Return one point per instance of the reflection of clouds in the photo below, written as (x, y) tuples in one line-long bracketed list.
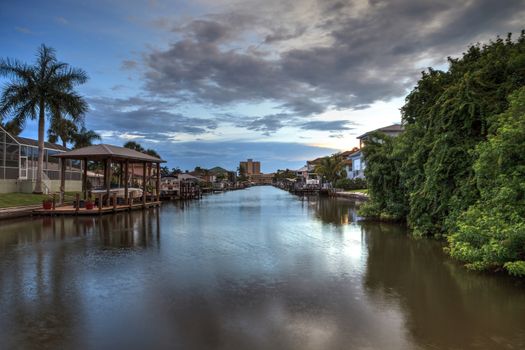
[(276, 276)]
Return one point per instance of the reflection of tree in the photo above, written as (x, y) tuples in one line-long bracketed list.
[(334, 211), (445, 306)]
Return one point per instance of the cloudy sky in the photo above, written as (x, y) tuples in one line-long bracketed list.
[(212, 82)]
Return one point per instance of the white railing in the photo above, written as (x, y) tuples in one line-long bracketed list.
[(46, 183)]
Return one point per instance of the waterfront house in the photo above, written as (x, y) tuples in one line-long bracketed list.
[(18, 166), (357, 162), (175, 185), (393, 130)]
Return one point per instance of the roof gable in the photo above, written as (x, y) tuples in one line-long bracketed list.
[(394, 128), (104, 151)]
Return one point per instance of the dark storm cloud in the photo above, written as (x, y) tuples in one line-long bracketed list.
[(333, 125), (267, 124), (150, 118), (367, 53)]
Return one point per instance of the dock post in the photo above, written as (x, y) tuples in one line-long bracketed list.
[(114, 201), (158, 182), (144, 188), (54, 201), (77, 202), (100, 203)]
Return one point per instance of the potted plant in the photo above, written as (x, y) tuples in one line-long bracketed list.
[(89, 204), (47, 204)]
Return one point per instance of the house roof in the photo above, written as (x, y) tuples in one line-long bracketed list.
[(103, 151), (185, 176), (34, 143), (386, 129)]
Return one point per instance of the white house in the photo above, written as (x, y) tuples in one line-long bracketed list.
[(358, 164)]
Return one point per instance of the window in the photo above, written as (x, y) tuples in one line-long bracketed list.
[(356, 164), (52, 162), (12, 155)]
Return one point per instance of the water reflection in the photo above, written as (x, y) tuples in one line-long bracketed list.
[(122, 230), (252, 269)]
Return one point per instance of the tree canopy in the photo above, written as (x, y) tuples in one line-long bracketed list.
[(331, 168), (41, 91), (430, 175)]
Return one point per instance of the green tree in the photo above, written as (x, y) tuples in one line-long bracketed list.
[(13, 127), (134, 145), (331, 168), (242, 173), (62, 129), (84, 138), (431, 179), (383, 177), (491, 233), (152, 152), (39, 90)]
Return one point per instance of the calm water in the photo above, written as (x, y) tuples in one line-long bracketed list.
[(252, 269)]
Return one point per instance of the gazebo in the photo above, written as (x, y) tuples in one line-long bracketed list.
[(110, 156)]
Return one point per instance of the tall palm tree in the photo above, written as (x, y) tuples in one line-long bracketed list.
[(84, 138), (331, 168), (40, 89)]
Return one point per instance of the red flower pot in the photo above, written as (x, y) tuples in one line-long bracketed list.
[(47, 205), (89, 205)]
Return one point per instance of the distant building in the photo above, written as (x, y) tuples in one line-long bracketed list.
[(261, 179), (250, 167)]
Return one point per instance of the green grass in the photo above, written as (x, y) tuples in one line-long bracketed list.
[(22, 199)]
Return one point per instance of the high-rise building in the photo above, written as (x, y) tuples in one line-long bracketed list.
[(250, 167)]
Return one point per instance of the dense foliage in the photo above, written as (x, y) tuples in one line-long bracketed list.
[(331, 168), (491, 233), (351, 184), (431, 175)]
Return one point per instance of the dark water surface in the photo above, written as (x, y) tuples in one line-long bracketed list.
[(252, 269)]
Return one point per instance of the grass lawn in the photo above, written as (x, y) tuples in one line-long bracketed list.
[(364, 190), (22, 199)]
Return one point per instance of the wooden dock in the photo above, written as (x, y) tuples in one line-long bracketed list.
[(72, 210)]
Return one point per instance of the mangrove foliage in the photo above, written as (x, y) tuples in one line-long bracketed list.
[(458, 169)]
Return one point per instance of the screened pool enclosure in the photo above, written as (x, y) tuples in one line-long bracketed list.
[(18, 165)]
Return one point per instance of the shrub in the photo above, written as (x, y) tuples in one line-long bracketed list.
[(351, 184)]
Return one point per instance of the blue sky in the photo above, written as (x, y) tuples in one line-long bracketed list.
[(211, 83)]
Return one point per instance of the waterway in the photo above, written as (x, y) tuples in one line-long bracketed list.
[(251, 269)]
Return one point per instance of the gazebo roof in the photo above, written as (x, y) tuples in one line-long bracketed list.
[(103, 151)]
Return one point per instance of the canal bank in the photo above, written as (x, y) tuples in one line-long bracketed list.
[(253, 269)]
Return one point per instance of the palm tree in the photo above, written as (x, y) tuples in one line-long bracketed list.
[(43, 88), (331, 168), (63, 129), (152, 152), (13, 127), (84, 138), (134, 145)]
